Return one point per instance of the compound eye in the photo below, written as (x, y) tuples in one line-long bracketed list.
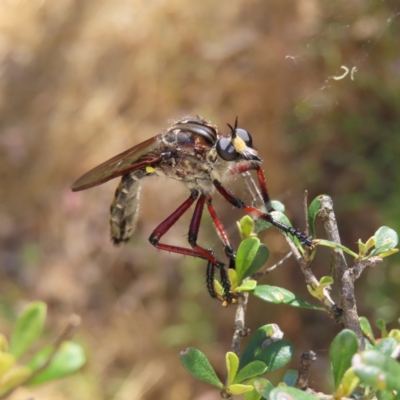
[(226, 150), (245, 136)]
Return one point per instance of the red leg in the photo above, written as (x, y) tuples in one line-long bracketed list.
[(260, 214), (244, 167), (229, 250), (196, 250), (164, 227)]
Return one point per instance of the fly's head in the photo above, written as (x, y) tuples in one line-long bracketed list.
[(237, 147)]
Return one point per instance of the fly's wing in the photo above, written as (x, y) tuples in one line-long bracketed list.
[(137, 157)]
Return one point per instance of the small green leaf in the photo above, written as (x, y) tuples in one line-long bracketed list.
[(385, 239), (69, 358), (257, 343), (198, 365), (246, 226), (251, 256), (253, 395), (277, 295), (386, 346), (328, 243), (7, 361), (381, 324), (14, 378), (395, 334), (237, 389), (28, 328), (377, 370), (384, 395), (388, 253), (341, 351), (275, 355), (247, 286), (366, 329), (232, 275), (263, 386), (262, 225), (290, 377), (218, 287), (362, 248), (289, 393), (370, 243), (347, 385), (232, 364), (245, 255), (3, 343), (312, 214), (278, 206), (251, 370)]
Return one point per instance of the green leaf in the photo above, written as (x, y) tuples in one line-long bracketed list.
[(232, 364), (377, 370), (386, 346), (28, 328), (312, 214), (275, 355), (3, 343), (251, 256), (263, 386), (328, 243), (388, 253), (278, 206), (277, 295), (290, 377), (7, 361), (362, 248), (384, 395), (283, 392), (14, 378), (251, 370), (247, 286), (69, 358), (381, 324), (347, 385), (385, 240), (237, 389), (366, 329), (262, 225), (253, 395), (246, 226), (198, 365), (395, 334), (341, 351)]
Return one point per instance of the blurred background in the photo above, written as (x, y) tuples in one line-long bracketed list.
[(81, 81)]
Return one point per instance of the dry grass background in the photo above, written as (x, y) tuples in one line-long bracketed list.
[(82, 80)]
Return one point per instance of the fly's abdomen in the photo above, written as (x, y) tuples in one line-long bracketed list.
[(124, 208)]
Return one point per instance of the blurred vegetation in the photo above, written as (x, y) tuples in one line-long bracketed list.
[(82, 80)]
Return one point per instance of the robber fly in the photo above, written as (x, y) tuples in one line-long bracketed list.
[(195, 152)]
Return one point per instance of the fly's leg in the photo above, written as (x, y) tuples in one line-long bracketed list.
[(195, 251), (239, 169), (193, 233), (164, 227), (226, 286), (259, 214), (229, 250)]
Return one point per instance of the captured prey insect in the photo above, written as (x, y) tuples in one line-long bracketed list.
[(195, 152)]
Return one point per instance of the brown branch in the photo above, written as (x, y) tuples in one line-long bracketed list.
[(306, 360), (240, 328), (344, 276), (305, 265)]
